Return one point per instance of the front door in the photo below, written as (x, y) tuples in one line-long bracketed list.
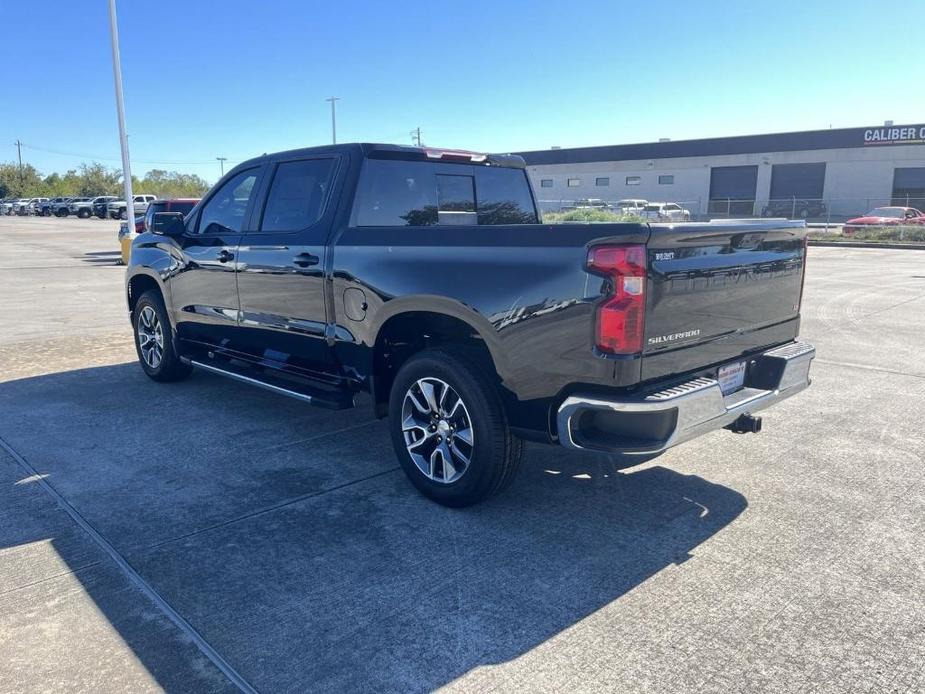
[(203, 291), (281, 270)]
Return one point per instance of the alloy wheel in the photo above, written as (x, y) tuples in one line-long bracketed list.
[(150, 337), (437, 430)]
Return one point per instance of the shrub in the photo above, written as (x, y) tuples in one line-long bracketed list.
[(901, 234), (590, 214)]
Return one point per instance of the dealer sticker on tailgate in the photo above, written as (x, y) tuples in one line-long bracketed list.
[(731, 377)]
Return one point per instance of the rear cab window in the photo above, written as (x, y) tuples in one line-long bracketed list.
[(410, 193)]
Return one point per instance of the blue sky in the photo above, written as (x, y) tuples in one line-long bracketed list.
[(237, 78)]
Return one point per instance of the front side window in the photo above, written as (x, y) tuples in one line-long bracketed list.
[(297, 194), (224, 212)]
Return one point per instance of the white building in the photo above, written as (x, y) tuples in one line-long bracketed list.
[(849, 170)]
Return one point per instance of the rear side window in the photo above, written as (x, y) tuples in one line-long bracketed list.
[(504, 196), (401, 193), (396, 193), (297, 194)]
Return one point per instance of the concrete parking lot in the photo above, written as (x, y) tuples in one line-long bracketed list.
[(206, 536)]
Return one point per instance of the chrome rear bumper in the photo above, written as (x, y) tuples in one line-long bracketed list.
[(655, 422)]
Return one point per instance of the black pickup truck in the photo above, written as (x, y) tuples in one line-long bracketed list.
[(425, 278)]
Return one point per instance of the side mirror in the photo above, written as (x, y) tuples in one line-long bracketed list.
[(168, 224)]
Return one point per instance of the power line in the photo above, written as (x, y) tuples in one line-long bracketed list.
[(416, 136), (98, 157)]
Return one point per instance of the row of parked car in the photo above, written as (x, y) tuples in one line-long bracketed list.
[(654, 211), (101, 206)]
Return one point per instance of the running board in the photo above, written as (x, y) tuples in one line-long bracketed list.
[(305, 393)]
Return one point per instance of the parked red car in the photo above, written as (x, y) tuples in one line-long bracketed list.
[(884, 217), (143, 223)]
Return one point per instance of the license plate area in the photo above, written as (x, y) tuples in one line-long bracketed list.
[(731, 377)]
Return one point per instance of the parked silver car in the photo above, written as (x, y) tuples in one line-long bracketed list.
[(116, 209), (6, 207), (666, 212), (28, 206), (630, 206)]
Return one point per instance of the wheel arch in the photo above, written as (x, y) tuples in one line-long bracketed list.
[(140, 282), (411, 326)]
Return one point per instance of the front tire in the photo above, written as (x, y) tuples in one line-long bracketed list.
[(449, 428), (83, 214), (154, 340)]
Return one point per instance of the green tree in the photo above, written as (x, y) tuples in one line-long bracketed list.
[(97, 179), (171, 184), (20, 184)]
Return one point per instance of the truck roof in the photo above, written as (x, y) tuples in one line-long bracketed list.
[(385, 151)]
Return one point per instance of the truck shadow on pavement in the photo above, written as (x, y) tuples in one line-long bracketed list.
[(287, 537)]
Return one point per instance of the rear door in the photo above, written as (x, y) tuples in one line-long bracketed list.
[(203, 290), (281, 268), (717, 291)]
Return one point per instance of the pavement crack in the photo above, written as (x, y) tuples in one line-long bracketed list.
[(132, 574), (866, 367), (53, 577), (890, 308), (267, 509)]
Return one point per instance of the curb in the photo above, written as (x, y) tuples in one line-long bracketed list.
[(869, 244)]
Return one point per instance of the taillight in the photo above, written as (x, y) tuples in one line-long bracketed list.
[(621, 315)]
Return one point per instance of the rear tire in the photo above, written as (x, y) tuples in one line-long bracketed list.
[(443, 404), (154, 340)]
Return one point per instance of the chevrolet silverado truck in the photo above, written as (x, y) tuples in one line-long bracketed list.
[(117, 208), (426, 278)]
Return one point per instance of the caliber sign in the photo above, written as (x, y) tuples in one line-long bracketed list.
[(906, 135)]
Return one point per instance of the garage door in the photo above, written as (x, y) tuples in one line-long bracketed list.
[(909, 187), (800, 181), (732, 190)]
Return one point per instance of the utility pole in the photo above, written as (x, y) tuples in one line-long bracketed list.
[(19, 153), (333, 99), (416, 137), (120, 111), (221, 161)]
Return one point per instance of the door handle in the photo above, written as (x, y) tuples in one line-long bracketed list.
[(306, 259), (225, 256)]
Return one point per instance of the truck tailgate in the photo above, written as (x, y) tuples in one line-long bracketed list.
[(720, 290)]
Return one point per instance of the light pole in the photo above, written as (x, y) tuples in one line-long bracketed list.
[(333, 99), (120, 111), (221, 161)]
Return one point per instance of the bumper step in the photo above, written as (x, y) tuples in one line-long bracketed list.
[(652, 423)]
